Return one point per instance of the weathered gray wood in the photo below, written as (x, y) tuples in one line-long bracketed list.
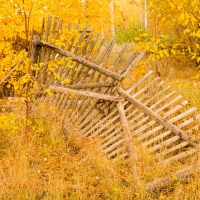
[(113, 146), (128, 62), (152, 131), (85, 93), (159, 119), (71, 73), (105, 107), (82, 61), (131, 106), (118, 151), (34, 49), (168, 180), (174, 148), (106, 136), (109, 120), (146, 87), (111, 141), (92, 85), (64, 73), (139, 57), (85, 104), (128, 109), (164, 145), (127, 132), (60, 107), (84, 74), (122, 52), (165, 134), (152, 122), (140, 81), (179, 156)]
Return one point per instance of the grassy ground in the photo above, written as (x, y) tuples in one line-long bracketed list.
[(52, 163)]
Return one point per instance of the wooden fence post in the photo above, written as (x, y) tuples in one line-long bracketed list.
[(35, 51)]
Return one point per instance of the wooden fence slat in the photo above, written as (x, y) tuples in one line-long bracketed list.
[(129, 117), (179, 156), (85, 93), (139, 57), (152, 122), (174, 148), (85, 103), (146, 86), (80, 79), (127, 109), (92, 85), (122, 52), (166, 143), (117, 152), (111, 141), (115, 110), (62, 102), (48, 28), (175, 109), (152, 131), (113, 146), (165, 134), (102, 127), (159, 119), (140, 81), (107, 136), (128, 62)]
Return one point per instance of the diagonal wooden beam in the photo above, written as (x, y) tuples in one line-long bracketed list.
[(86, 93), (170, 126), (82, 61)]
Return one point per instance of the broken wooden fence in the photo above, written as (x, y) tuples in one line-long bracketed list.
[(148, 112)]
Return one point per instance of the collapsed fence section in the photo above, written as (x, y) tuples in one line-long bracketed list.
[(85, 85)]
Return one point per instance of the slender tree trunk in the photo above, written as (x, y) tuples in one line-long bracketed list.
[(112, 17)]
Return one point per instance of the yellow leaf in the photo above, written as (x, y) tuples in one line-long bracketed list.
[(197, 46)]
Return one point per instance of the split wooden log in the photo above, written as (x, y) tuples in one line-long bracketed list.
[(160, 120), (168, 180), (83, 61), (85, 93)]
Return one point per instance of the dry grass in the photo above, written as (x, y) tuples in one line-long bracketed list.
[(55, 164)]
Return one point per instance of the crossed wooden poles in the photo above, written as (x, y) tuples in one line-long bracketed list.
[(148, 111)]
